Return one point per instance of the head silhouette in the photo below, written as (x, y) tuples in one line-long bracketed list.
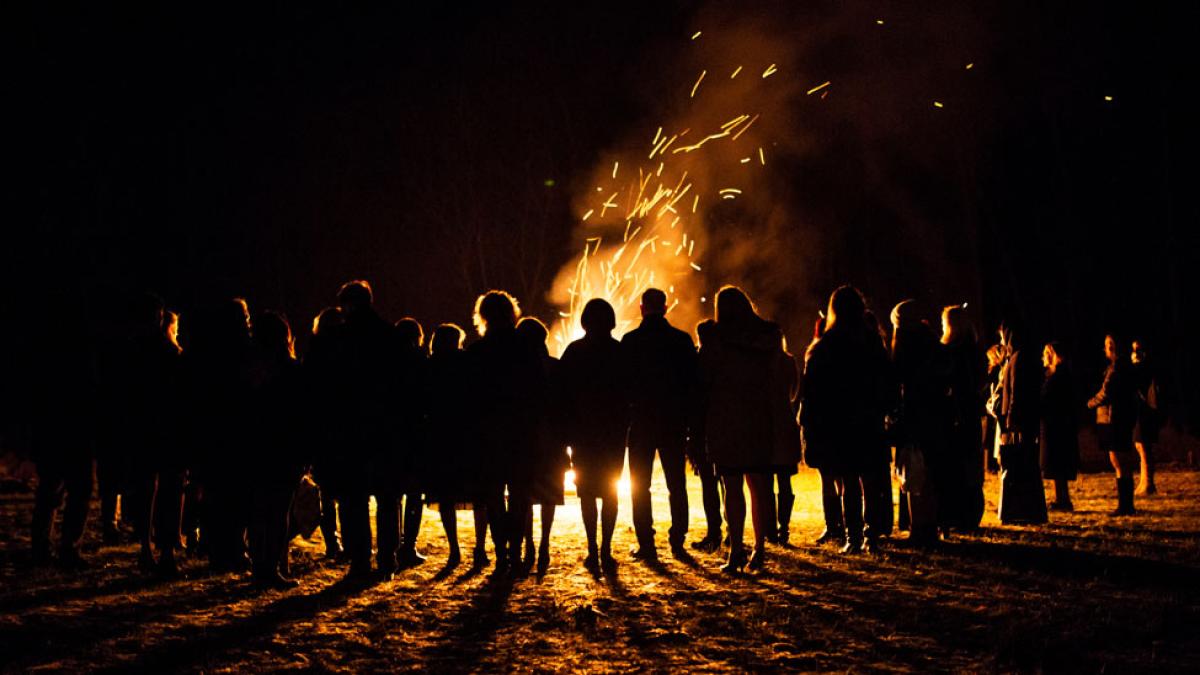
[(532, 327), (496, 310), (354, 296), (734, 309), (327, 320), (654, 302), (273, 335), (846, 305), (598, 317), (447, 337), (955, 326), (705, 330), (410, 332)]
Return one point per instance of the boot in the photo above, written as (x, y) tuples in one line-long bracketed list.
[(784, 513), (1124, 497)]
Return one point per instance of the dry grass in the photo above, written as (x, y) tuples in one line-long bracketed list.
[(1084, 593)]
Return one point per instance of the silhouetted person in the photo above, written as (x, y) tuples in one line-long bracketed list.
[(595, 397), (1016, 406), (219, 380), (661, 362), (918, 432), (452, 466), (961, 486), (878, 503), (322, 406), (366, 384), (748, 417), (817, 458), (62, 399), (846, 391), (710, 482), (138, 380), (996, 355), (1150, 417), (788, 452), (550, 462), (413, 467), (275, 462), (1060, 429), (507, 378), (1116, 406)]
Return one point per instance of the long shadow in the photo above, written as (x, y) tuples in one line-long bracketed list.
[(52, 595), (469, 634), (199, 642), (1077, 564), (42, 636)]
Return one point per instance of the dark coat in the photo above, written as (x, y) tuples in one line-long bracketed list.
[(365, 379), (661, 362), (507, 380), (1060, 429), (595, 393), (846, 391), (1116, 405), (452, 459), (276, 454), (139, 387), (744, 374), (1019, 398)]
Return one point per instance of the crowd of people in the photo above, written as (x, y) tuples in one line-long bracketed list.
[(205, 446)]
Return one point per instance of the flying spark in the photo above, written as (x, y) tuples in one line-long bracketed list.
[(819, 87)]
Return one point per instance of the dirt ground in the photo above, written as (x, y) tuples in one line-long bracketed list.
[(1086, 592)]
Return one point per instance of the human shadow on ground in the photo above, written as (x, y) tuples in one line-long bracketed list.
[(198, 642), (40, 636), (469, 634)]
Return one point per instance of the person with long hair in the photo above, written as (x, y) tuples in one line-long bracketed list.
[(549, 464), (595, 418), (1016, 407), (846, 393), (274, 465), (917, 433), (1059, 438), (749, 425), (961, 486), (507, 380), (1116, 407)]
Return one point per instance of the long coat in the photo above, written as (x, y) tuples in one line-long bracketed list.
[(507, 380), (846, 392), (749, 425)]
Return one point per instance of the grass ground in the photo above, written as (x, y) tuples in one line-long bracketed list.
[(1086, 592)]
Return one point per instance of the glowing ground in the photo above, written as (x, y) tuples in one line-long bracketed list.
[(1084, 593)]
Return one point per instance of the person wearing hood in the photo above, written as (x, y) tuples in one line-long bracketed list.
[(749, 426)]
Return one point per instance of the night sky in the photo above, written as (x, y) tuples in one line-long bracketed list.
[(275, 154)]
